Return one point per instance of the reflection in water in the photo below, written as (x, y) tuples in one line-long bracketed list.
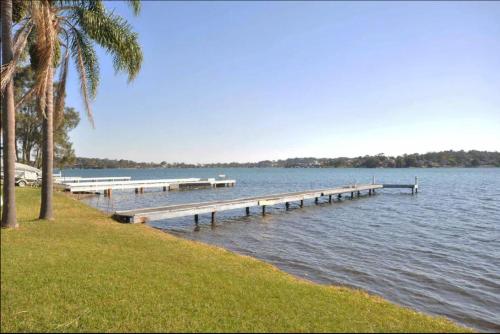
[(437, 251)]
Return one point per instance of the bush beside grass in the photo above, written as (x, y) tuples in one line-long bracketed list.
[(85, 272)]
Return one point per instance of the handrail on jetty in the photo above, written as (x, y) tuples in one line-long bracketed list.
[(79, 179), (97, 186), (195, 209)]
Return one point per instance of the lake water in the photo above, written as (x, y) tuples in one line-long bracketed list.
[(436, 252)]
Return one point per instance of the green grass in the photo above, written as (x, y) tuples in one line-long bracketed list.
[(84, 272)]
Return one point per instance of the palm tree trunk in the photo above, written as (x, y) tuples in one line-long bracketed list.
[(48, 152), (8, 125)]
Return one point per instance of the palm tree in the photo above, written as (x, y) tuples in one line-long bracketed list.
[(73, 26), (8, 123), (69, 29)]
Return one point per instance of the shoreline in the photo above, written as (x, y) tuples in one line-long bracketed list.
[(236, 268), (246, 167)]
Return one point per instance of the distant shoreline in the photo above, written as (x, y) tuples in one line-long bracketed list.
[(208, 167), (447, 159)]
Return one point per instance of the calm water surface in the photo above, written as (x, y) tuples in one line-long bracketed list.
[(437, 252)]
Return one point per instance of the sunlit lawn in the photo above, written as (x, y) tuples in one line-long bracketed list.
[(84, 272)]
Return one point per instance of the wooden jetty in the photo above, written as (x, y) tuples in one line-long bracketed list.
[(195, 209), (139, 185)]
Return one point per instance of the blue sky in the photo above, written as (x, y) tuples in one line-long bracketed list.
[(248, 81)]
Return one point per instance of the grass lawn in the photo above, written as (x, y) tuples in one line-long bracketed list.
[(85, 272)]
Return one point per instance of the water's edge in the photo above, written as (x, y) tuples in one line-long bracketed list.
[(434, 252)]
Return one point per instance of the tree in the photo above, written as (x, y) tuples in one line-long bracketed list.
[(28, 122), (74, 26), (370, 162), (29, 125), (8, 124)]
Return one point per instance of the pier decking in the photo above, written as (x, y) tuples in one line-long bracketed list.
[(139, 185), (194, 209)]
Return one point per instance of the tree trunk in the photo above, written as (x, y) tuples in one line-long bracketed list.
[(48, 152), (37, 158), (27, 154), (16, 146), (8, 124)]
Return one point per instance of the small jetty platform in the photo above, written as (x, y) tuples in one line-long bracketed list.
[(98, 186), (195, 209)]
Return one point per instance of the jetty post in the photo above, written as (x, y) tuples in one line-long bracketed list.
[(194, 209)]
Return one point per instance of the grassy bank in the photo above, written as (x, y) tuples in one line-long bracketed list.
[(84, 272)]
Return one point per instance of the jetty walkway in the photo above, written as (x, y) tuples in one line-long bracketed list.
[(195, 209), (107, 185)]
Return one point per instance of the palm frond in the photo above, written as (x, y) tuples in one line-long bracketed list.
[(43, 19), (116, 36), (20, 41), (61, 91), (20, 9), (81, 43), (80, 51), (136, 6)]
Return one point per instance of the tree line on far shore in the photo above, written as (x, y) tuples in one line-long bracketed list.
[(461, 158)]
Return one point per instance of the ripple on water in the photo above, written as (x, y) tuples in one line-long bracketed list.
[(437, 252)]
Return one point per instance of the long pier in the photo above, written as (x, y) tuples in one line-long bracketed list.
[(195, 209), (139, 185)]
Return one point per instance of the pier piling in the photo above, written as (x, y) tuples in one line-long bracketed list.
[(182, 210)]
